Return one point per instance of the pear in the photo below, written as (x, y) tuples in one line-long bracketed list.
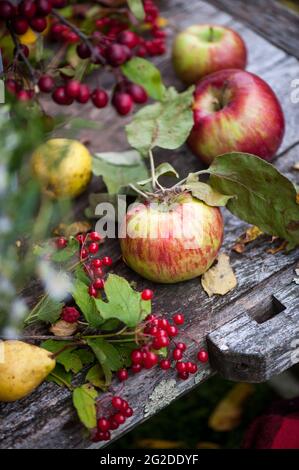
[(22, 368)]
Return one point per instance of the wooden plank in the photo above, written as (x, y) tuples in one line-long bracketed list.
[(46, 419), (274, 21)]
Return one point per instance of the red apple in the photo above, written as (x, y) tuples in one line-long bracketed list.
[(171, 241), (203, 49), (237, 111)]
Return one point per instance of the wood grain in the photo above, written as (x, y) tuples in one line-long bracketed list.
[(46, 419)]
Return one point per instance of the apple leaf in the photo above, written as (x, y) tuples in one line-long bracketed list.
[(165, 169), (264, 197), (86, 304), (136, 7), (166, 125), (204, 192), (84, 400), (123, 302), (119, 169), (144, 73)]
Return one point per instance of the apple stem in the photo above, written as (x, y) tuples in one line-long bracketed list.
[(155, 181), (138, 191), (201, 172), (211, 38)]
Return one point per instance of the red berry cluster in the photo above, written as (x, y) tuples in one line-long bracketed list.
[(120, 412), (112, 42), (70, 314)]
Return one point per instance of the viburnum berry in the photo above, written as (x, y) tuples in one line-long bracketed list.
[(7, 10), (20, 25), (71, 37), (202, 356), (107, 261), (27, 8), (103, 424), (11, 85), (161, 342), (128, 412), (38, 24), (23, 95), (117, 402), (184, 375), (84, 253), (122, 375), (123, 103), (136, 357), (192, 367), (165, 364), (70, 314), (136, 368), (128, 38), (96, 263), (98, 272), (137, 92), (125, 405), (150, 360), (181, 367), (98, 283), (72, 88), (84, 94), (172, 330), (83, 51), (92, 291), (119, 418), (61, 242), (44, 7), (177, 354), (181, 346), (93, 248), (150, 317), (116, 54), (113, 424), (99, 98), (60, 97), (161, 332), (178, 319), (81, 238), (141, 51), (46, 83), (163, 323), (95, 236), (147, 294)]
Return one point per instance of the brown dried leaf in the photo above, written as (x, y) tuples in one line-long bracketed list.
[(72, 229), (63, 328), (251, 234), (228, 413), (281, 247), (219, 279)]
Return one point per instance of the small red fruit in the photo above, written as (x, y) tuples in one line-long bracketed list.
[(119, 418), (147, 294), (165, 364), (122, 375), (128, 38), (84, 94), (136, 357), (96, 263), (92, 291), (117, 402), (83, 51), (150, 360), (107, 261), (61, 242), (84, 253), (103, 424), (181, 346), (38, 24), (99, 98), (136, 368), (95, 236), (72, 88), (93, 248), (98, 283), (123, 103), (128, 412), (181, 367), (177, 354), (184, 375), (46, 83), (202, 356), (137, 92), (178, 319), (70, 314)]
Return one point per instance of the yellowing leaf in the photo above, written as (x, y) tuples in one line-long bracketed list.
[(227, 414), (84, 399), (219, 279), (72, 229), (251, 234)]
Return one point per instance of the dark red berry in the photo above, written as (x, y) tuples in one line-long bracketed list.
[(113, 424), (81, 238), (20, 25), (150, 360), (60, 97), (128, 412), (46, 83), (11, 85), (128, 38), (165, 364), (161, 342), (93, 248), (147, 294), (122, 374), (202, 356), (192, 367), (178, 318), (181, 346), (98, 283), (38, 24), (44, 7), (103, 424), (70, 314), (23, 95), (150, 317), (172, 331), (7, 10), (72, 88), (184, 375), (106, 436), (123, 103), (27, 8), (177, 354), (71, 37), (163, 323), (125, 405), (117, 402), (83, 51), (98, 272), (92, 291), (95, 236), (96, 263), (61, 242), (136, 368), (84, 94), (137, 92), (141, 51), (107, 261), (99, 98), (136, 357), (119, 418), (116, 54), (59, 3)]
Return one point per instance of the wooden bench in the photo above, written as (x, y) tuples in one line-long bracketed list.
[(250, 331)]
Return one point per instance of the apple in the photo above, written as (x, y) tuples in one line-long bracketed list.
[(237, 111), (171, 241), (203, 49)]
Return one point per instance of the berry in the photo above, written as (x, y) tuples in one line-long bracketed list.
[(117, 402), (165, 364), (125, 405), (96, 263), (107, 261), (72, 88), (27, 8), (128, 38), (178, 318), (7, 10), (136, 368), (161, 342), (83, 51), (123, 103), (98, 283), (103, 424), (181, 367), (84, 94), (84, 253), (20, 25), (141, 51), (163, 323), (161, 332), (192, 367), (147, 294), (59, 3), (38, 24), (71, 37), (98, 272), (61, 242), (150, 318), (11, 85), (172, 330), (44, 7), (23, 95), (60, 97), (93, 248), (95, 236), (81, 238), (128, 412), (119, 418), (181, 346), (122, 375), (177, 354), (184, 375), (137, 92), (116, 54), (106, 436), (99, 98), (46, 83), (70, 314), (202, 356), (150, 360), (113, 424), (92, 291), (136, 357)]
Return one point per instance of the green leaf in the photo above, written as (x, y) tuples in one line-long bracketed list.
[(106, 353), (264, 197), (85, 356), (84, 399), (136, 7), (60, 377), (66, 253), (81, 275), (165, 169), (122, 302), (124, 351), (86, 304), (119, 169), (49, 310), (96, 377), (166, 125), (69, 358), (144, 73), (204, 192)]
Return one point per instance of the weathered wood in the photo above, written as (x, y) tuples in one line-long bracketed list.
[(271, 19), (46, 419)]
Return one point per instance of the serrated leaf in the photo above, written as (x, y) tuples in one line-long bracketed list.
[(165, 169), (145, 73), (119, 169), (84, 400), (86, 304), (166, 125), (136, 7), (66, 253), (123, 302), (204, 192), (106, 353), (49, 310), (264, 197)]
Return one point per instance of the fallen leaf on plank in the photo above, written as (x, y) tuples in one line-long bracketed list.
[(281, 247), (219, 279), (251, 234), (63, 328)]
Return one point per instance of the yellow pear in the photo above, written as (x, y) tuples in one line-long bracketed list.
[(22, 368), (63, 167)]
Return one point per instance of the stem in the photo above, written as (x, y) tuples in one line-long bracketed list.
[(138, 191), (20, 53), (45, 337), (201, 172), (211, 37)]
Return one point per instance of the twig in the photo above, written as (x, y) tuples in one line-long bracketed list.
[(201, 172), (144, 195), (20, 53)]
